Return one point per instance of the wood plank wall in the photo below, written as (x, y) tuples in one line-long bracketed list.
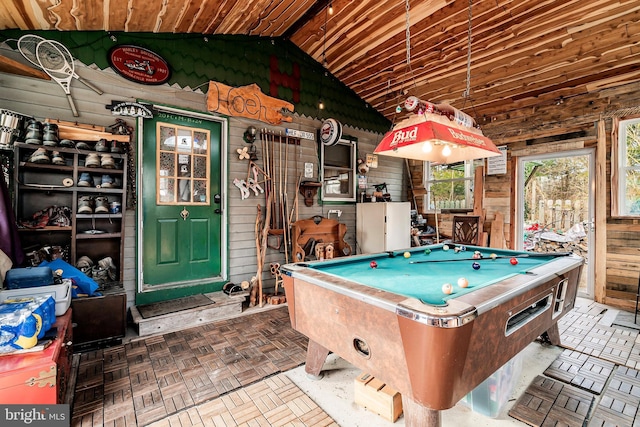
[(553, 126), (45, 99)]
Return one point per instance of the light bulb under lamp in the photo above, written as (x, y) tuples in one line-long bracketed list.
[(446, 151), (427, 147)]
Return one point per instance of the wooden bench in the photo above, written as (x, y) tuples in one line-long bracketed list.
[(306, 234)]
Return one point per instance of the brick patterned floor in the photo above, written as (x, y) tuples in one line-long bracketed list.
[(185, 375)]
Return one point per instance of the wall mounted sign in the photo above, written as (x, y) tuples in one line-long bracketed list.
[(131, 109), (498, 165), (139, 65), (247, 101), (299, 134), (330, 132)]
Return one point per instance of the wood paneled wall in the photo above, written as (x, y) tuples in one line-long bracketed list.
[(45, 99)]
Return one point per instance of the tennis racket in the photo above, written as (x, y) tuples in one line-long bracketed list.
[(27, 46), (56, 65)]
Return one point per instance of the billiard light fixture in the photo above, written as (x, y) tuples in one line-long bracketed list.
[(435, 138), (437, 133)]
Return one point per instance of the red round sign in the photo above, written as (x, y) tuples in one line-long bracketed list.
[(139, 65)]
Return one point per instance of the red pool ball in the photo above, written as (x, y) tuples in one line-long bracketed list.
[(513, 261), (373, 264)]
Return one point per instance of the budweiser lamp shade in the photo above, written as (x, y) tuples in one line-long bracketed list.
[(434, 140)]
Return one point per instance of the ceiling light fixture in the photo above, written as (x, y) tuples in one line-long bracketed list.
[(437, 133), (331, 8)]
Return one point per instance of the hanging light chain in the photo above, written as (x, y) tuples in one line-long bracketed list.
[(408, 35), (467, 92)]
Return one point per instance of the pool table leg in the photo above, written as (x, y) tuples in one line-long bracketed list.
[(416, 415), (554, 334), (316, 356)]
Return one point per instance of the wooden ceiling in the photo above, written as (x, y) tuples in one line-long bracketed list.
[(523, 52)]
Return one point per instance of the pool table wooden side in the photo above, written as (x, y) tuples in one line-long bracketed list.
[(436, 366), (333, 321)]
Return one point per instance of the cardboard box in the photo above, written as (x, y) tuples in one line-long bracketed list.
[(377, 397)]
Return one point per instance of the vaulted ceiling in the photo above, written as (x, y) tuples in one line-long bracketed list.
[(523, 52)]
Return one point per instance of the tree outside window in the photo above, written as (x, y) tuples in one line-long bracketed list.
[(629, 167), (449, 186)]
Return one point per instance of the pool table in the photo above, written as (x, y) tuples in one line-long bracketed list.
[(387, 314)]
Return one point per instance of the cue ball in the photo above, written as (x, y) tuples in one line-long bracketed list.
[(373, 264), (427, 251), (513, 261), (445, 248), (476, 266), (447, 288), (462, 282), (407, 254), (493, 256)]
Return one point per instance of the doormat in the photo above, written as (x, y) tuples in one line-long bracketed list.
[(165, 307)]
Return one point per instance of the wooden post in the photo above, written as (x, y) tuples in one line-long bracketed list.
[(497, 232), (478, 200)]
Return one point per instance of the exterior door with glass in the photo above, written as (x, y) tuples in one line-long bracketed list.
[(182, 234)]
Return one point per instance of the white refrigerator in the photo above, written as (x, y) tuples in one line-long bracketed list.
[(383, 226)]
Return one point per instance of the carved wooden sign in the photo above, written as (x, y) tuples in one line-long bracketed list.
[(247, 101)]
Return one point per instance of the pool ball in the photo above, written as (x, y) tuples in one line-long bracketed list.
[(476, 256), (447, 288), (456, 249), (513, 261), (463, 248), (462, 282), (427, 251), (445, 248), (407, 254), (476, 266), (373, 264), (493, 256)]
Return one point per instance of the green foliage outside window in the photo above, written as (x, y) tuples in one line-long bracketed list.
[(630, 173)]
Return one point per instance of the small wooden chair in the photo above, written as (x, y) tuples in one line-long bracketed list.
[(466, 229)]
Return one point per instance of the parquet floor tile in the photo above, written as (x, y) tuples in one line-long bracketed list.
[(600, 360), (177, 378), (547, 402)]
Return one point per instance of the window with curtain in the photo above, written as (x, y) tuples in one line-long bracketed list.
[(449, 186), (626, 176)]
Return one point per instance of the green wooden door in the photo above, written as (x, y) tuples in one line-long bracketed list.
[(181, 207)]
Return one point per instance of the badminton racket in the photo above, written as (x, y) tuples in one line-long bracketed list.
[(27, 46), (57, 66)]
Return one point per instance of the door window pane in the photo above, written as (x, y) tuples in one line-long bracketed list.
[(183, 165)]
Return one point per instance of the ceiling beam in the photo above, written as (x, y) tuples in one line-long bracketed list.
[(308, 15)]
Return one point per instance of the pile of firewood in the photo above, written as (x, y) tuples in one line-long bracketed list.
[(578, 247)]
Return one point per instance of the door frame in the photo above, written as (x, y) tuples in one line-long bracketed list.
[(224, 230), (590, 226)]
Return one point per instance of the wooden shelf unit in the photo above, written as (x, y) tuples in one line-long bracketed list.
[(39, 186)]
